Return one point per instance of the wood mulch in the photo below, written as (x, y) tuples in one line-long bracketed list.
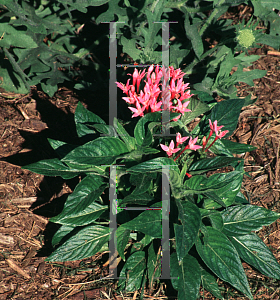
[(28, 200)]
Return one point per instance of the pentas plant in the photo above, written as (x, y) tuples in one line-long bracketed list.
[(211, 224)]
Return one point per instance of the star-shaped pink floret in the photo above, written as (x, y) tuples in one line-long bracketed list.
[(214, 126), (169, 150), (137, 111), (179, 138), (192, 145)]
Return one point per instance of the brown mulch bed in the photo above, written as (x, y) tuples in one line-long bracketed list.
[(26, 199)]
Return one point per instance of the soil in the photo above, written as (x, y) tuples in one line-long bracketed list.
[(28, 200)]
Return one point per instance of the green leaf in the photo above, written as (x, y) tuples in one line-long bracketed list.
[(149, 222), (128, 140), (86, 243), (139, 199), (242, 219), (209, 282), (200, 184), (197, 108), (141, 130), (237, 148), (186, 234), (186, 277), (80, 207), (13, 37), (52, 167), (192, 33), (101, 151), (255, 252), (84, 117), (222, 259), (249, 76), (122, 235), (226, 193), (208, 164), (154, 165), (133, 272), (217, 221), (227, 112), (271, 4), (142, 182), (61, 233), (61, 148)]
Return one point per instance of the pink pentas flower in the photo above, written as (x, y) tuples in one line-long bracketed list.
[(222, 134), (192, 145), (124, 88), (182, 108), (169, 150), (214, 127), (137, 111), (179, 139)]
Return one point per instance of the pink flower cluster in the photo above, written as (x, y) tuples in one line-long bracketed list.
[(179, 140), (219, 134), (153, 98)]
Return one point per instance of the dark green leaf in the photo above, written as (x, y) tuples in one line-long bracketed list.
[(255, 252), (101, 151), (208, 164), (242, 219), (132, 272), (186, 277), (237, 147), (154, 165), (86, 243), (186, 234), (80, 207), (149, 222), (221, 258), (61, 233), (128, 140), (122, 240), (52, 167)]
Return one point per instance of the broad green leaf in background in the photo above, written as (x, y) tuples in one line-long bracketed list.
[(61, 233), (226, 193), (192, 33), (61, 148), (123, 134), (131, 275), (216, 220), (237, 148), (242, 219), (122, 235), (186, 234), (101, 151), (86, 243), (80, 207), (141, 128), (222, 259), (52, 167), (197, 108), (185, 278), (208, 164), (149, 222), (154, 165), (84, 117), (255, 252)]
